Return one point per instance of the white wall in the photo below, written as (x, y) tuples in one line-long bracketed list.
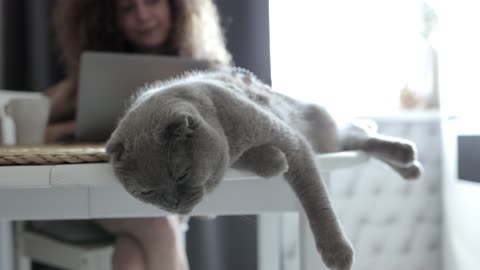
[(461, 207), (458, 44)]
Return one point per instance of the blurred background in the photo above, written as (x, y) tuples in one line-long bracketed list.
[(411, 65), (30, 62)]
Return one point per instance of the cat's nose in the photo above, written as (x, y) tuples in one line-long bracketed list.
[(171, 199)]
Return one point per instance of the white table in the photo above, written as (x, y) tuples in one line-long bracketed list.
[(92, 191)]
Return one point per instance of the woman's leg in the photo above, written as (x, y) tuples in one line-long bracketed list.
[(127, 255), (159, 240)]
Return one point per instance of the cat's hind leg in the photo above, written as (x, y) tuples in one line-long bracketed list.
[(265, 161), (413, 171), (395, 150), (399, 154)]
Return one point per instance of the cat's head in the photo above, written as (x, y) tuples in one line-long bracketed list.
[(167, 154)]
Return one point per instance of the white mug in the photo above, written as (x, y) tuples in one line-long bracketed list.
[(23, 117)]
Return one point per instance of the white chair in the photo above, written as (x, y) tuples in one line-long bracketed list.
[(56, 188), (37, 247), (23, 118)]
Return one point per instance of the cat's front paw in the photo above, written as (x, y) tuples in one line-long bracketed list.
[(338, 256), (276, 165), (266, 161)]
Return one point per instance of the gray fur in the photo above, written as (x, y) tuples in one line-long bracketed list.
[(178, 138)]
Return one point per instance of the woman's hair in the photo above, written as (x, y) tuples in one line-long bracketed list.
[(92, 25)]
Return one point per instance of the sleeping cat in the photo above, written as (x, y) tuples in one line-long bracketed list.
[(178, 138)]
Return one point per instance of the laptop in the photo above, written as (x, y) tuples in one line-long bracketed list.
[(108, 80)]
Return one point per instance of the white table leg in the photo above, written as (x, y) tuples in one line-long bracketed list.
[(6, 245), (21, 261), (290, 256), (309, 257), (268, 246)]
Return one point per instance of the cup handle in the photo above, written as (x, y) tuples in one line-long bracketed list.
[(7, 126)]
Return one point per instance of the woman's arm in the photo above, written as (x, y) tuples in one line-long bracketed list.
[(63, 96), (62, 110), (60, 132)]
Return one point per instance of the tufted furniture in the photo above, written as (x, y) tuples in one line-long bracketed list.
[(393, 224)]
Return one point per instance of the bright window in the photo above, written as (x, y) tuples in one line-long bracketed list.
[(352, 56)]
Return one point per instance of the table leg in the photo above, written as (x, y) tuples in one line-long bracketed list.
[(309, 257), (6, 244), (21, 261), (290, 256), (268, 246)]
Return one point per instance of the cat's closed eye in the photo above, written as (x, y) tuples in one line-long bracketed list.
[(182, 176), (146, 192)]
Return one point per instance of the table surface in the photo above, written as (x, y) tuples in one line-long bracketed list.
[(92, 191)]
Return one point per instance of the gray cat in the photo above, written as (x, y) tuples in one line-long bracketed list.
[(178, 138)]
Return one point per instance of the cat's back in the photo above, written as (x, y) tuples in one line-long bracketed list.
[(242, 83), (233, 83), (224, 90)]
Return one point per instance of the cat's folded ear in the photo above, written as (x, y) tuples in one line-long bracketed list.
[(181, 125), (116, 150)]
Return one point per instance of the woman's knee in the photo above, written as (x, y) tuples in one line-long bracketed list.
[(127, 255), (134, 226), (151, 229)]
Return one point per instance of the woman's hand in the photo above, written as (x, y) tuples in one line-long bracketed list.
[(62, 100), (58, 132)]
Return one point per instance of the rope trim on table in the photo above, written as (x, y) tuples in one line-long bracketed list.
[(52, 154)]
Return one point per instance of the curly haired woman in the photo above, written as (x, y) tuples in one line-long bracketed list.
[(188, 28)]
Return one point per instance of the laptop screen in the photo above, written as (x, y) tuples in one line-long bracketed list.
[(107, 82)]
